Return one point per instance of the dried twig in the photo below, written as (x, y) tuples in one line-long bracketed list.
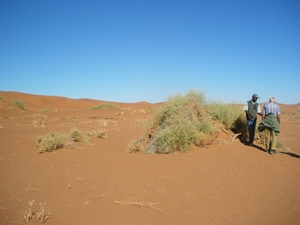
[(152, 188), (235, 136), (225, 130), (148, 205), (30, 189)]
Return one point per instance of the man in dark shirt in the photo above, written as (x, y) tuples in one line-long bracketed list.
[(252, 108)]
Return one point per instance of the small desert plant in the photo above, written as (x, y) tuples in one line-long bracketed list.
[(104, 106), (45, 110), (19, 103), (67, 119), (50, 142), (42, 214), (98, 133), (79, 136), (135, 146)]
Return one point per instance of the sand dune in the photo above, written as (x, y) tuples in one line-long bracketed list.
[(101, 183)]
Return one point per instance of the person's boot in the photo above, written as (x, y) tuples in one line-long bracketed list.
[(273, 152)]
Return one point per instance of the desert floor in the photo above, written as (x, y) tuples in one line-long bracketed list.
[(100, 183)]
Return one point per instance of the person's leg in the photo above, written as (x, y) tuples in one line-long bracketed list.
[(251, 128), (267, 139), (273, 141)]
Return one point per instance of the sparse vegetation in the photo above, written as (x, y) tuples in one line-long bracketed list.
[(50, 142), (45, 110), (135, 146), (98, 133), (19, 103), (42, 214), (68, 119), (104, 106)]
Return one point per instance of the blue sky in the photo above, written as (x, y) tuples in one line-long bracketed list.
[(148, 50)]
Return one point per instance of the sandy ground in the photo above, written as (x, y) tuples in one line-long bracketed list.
[(101, 183)]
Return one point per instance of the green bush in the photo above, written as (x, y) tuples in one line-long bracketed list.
[(178, 123), (227, 114), (19, 103), (50, 142), (104, 106)]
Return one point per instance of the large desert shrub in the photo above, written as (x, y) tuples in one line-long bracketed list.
[(50, 142), (176, 125), (227, 114)]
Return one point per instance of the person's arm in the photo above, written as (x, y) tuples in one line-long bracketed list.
[(278, 118), (259, 110), (248, 114), (263, 114)]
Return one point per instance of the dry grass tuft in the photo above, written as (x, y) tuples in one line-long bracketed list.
[(104, 106), (79, 136), (42, 214), (135, 146), (69, 119), (98, 133), (50, 142)]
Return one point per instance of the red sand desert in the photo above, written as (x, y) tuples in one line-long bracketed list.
[(100, 183)]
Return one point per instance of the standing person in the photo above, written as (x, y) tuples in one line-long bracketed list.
[(252, 108), (271, 124)]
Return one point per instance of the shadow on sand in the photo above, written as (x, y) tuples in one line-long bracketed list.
[(291, 154)]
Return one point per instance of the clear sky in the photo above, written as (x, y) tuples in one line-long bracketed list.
[(148, 50)]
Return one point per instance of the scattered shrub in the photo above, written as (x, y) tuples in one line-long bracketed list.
[(78, 136), (98, 133), (67, 119), (45, 110), (19, 103), (104, 106), (135, 146), (51, 142)]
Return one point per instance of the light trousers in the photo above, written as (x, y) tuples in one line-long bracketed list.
[(271, 139)]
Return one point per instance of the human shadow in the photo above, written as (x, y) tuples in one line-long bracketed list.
[(291, 154), (255, 146), (259, 148)]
